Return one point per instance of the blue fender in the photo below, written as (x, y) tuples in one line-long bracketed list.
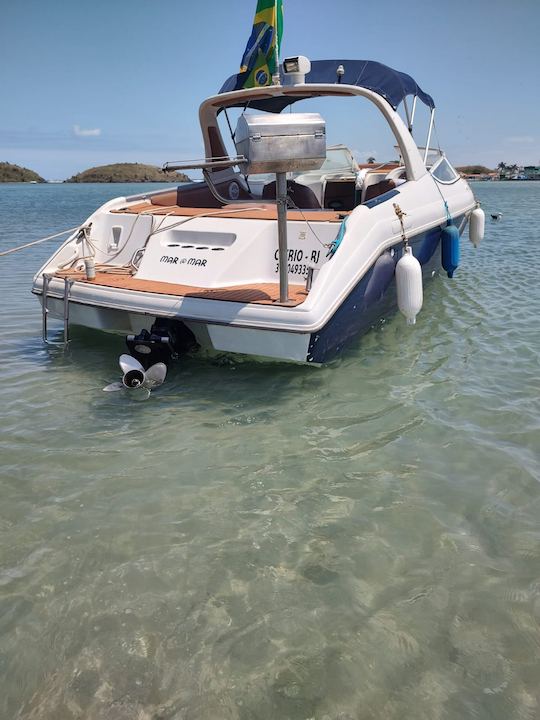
[(450, 248)]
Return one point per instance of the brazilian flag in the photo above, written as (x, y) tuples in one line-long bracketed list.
[(261, 56)]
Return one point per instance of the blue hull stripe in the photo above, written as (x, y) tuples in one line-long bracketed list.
[(381, 198)]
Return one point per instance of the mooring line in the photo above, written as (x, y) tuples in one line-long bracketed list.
[(36, 242)]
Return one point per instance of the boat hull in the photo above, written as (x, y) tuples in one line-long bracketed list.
[(372, 299)]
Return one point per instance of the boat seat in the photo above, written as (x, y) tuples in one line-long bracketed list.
[(340, 194), (375, 189), (199, 195), (165, 199), (300, 195)]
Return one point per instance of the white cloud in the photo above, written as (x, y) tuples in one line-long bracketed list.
[(520, 139), (82, 132)]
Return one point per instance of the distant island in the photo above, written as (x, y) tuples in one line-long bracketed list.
[(474, 170), (127, 173), (15, 173), (141, 173)]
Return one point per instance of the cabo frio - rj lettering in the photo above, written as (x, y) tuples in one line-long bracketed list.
[(295, 266), (297, 255)]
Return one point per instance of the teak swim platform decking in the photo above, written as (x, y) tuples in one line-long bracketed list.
[(259, 211), (257, 293)]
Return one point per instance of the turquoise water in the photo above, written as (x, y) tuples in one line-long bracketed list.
[(255, 542)]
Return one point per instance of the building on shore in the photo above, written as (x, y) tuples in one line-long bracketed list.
[(531, 172), (516, 172)]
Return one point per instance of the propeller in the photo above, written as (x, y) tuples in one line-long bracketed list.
[(134, 375)]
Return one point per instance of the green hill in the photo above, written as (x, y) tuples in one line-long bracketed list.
[(474, 170), (127, 173), (14, 173)]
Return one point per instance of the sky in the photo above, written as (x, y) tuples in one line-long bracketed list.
[(89, 83)]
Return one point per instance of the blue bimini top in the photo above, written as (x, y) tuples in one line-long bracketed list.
[(392, 85)]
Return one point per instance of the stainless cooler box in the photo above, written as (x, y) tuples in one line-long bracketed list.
[(281, 143)]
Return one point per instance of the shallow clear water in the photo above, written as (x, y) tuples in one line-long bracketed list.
[(266, 541)]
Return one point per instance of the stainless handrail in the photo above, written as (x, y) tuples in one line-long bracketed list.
[(205, 163)]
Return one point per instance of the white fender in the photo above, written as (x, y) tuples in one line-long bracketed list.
[(477, 223), (410, 295)]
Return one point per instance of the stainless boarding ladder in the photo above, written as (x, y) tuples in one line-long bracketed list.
[(47, 277)]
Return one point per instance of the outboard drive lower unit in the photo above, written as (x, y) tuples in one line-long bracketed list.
[(167, 340)]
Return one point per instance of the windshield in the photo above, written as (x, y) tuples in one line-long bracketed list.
[(338, 158)]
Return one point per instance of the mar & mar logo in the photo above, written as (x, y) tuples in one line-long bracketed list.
[(175, 260)]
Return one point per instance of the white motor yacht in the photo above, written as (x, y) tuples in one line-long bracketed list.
[(287, 249)]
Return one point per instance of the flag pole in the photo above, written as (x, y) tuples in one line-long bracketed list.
[(275, 76)]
